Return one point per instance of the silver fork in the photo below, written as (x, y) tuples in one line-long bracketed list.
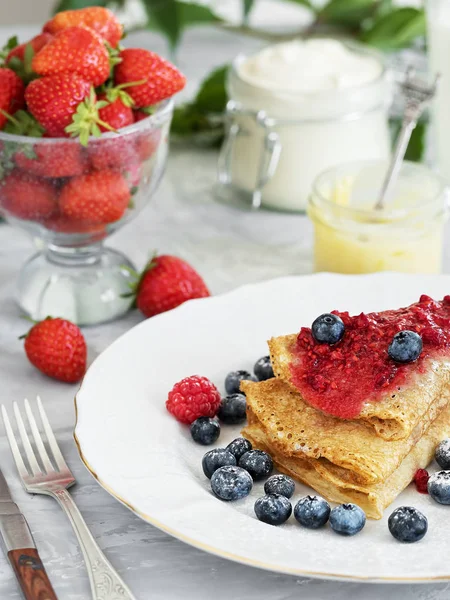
[(105, 582)]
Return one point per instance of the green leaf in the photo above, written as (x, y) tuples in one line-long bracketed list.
[(171, 17), (247, 6), (12, 43), (212, 95), (76, 4), (396, 29), (347, 12), (416, 147), (306, 3)]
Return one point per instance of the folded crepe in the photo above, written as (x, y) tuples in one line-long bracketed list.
[(341, 452), (395, 415)]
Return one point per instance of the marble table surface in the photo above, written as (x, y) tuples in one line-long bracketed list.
[(229, 247)]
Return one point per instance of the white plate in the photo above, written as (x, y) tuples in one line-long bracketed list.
[(146, 459)]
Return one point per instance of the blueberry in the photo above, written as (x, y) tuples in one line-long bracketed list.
[(273, 509), (347, 519), (263, 368), (328, 329), (280, 484), (205, 431), (439, 487), (407, 524), (257, 463), (214, 459), (232, 409), (312, 512), (238, 447), (231, 483), (233, 380), (405, 347), (443, 454)]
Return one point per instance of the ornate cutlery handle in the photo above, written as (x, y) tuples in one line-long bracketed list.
[(105, 582)]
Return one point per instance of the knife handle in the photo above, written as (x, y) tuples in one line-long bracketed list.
[(31, 574)]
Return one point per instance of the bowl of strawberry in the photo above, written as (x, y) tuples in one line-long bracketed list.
[(84, 126)]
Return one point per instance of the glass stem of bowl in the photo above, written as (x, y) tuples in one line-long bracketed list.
[(73, 257)]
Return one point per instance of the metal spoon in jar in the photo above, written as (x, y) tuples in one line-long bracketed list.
[(417, 94)]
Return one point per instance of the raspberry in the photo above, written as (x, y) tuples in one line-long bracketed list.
[(193, 397), (421, 478)]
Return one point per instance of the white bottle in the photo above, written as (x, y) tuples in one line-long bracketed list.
[(438, 13), (299, 108)]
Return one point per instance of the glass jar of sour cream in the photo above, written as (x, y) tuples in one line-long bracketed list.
[(351, 236), (296, 109)]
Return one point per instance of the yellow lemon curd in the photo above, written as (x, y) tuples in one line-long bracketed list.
[(407, 236)]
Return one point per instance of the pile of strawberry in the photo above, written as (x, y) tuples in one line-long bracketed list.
[(75, 80)]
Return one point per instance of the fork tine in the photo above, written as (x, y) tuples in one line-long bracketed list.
[(34, 466), (23, 472), (51, 437), (38, 439)]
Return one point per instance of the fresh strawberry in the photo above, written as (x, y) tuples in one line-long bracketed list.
[(167, 282), (11, 94), (147, 143), (162, 79), (61, 224), (58, 349), (27, 197), (114, 153), (53, 100), (99, 197), (140, 115), (101, 20), (37, 43), (116, 113), (74, 50), (65, 159)]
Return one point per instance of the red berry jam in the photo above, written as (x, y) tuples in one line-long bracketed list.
[(421, 480), (340, 378)]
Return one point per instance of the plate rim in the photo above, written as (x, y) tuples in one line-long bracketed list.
[(217, 551)]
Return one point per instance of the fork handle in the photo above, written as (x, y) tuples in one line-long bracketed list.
[(31, 574), (105, 582)]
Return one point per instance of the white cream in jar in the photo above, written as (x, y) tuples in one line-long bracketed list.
[(299, 108)]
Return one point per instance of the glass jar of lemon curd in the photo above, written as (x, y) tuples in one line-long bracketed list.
[(351, 236)]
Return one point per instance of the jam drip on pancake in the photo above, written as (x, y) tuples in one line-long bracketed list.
[(340, 378)]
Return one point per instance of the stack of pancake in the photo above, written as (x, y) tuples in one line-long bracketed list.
[(368, 460)]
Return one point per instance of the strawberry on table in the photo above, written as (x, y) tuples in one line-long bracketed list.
[(53, 100), (100, 197), (100, 19), (27, 197), (75, 50), (65, 159), (11, 94), (58, 349), (167, 282), (162, 79)]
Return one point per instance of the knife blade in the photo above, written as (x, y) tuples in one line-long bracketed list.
[(19, 547)]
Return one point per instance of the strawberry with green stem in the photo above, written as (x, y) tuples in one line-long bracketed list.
[(54, 100), (74, 50), (102, 20), (162, 79), (167, 282), (11, 94), (86, 120), (20, 58), (58, 349)]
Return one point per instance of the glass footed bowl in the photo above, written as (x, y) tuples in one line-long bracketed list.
[(70, 199)]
